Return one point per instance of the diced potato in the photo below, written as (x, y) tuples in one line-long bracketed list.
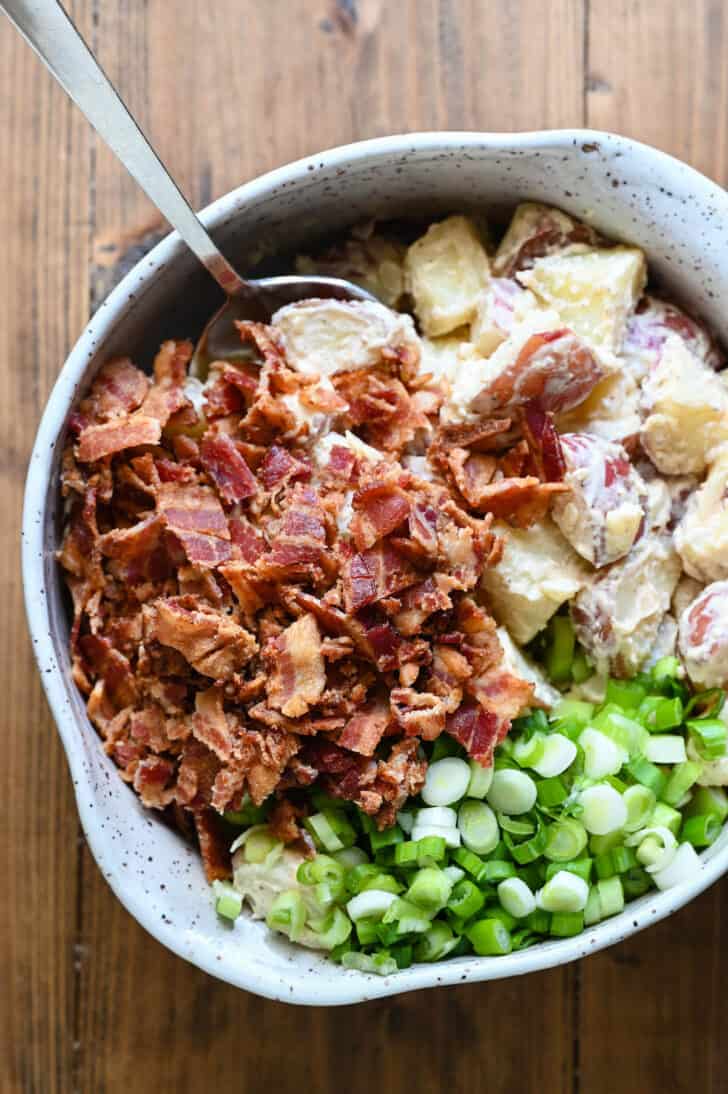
[(515, 661), (501, 307), (539, 360), (536, 575), (594, 291), (617, 616), (604, 512), (686, 408), (703, 637), (446, 270), (537, 230), (444, 357), (649, 328), (611, 411), (374, 262), (686, 591), (330, 336), (702, 535)]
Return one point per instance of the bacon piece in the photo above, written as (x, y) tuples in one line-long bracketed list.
[(477, 730), (374, 574), (266, 340), (418, 714), (207, 638), (268, 756), (300, 543), (147, 727), (543, 443), (213, 841), (166, 395), (365, 730), (106, 662), (501, 693), (279, 467), (399, 777), (419, 602), (378, 509), (283, 821), (151, 781), (195, 516), (119, 387), (227, 468), (487, 436), (342, 463), (97, 441), (210, 724), (138, 550), (556, 367), (248, 542), (521, 501), (298, 671)]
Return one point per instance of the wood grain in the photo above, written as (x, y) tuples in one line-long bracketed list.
[(227, 91)]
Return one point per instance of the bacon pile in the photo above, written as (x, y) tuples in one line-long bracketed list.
[(231, 639)]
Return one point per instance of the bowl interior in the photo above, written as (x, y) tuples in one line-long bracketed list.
[(628, 191)]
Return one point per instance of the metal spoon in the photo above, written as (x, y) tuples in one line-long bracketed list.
[(49, 30)]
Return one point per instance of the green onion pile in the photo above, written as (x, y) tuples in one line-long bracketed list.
[(581, 812)]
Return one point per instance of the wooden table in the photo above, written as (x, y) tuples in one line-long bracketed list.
[(227, 90)]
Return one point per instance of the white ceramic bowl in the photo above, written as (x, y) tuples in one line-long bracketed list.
[(628, 190)]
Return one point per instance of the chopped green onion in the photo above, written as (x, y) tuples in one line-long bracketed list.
[(430, 850), (248, 813), (435, 943), (450, 836), (684, 864), (640, 802), (367, 930), (489, 938), (334, 930), (530, 849), (566, 924), (478, 826), (701, 831), (644, 772), (386, 838), (551, 792), (611, 896), (592, 908), (323, 832), (441, 816), (257, 842), (636, 882), (560, 649), (564, 892), (659, 713), (322, 868), (565, 840), (682, 778), (527, 751), (430, 889), (602, 755), (350, 857), (402, 954), (709, 736), (228, 901), (603, 809), (706, 704), (466, 899), (468, 862), (627, 694), (655, 847), (512, 791), (581, 867), (666, 748), (664, 816), (287, 914), (409, 918), (581, 669), (573, 712), (446, 781), (372, 903), (516, 897), (708, 799), (559, 752), (599, 845), (538, 921), (405, 821), (444, 746), (359, 876), (405, 854), (667, 668), (454, 873), (495, 870), (626, 732), (480, 780), (379, 965)]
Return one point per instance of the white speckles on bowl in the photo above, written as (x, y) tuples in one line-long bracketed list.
[(629, 191)]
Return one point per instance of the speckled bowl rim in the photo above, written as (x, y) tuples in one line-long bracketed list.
[(342, 987)]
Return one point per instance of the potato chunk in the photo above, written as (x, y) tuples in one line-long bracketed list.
[(536, 575), (501, 307), (446, 270), (650, 327), (618, 615), (703, 637), (611, 410), (537, 230), (686, 411), (702, 535), (593, 290), (606, 509), (330, 336)]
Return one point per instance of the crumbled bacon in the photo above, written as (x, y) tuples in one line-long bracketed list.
[(234, 636)]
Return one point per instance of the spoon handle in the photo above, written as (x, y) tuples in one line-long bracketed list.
[(49, 30)]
